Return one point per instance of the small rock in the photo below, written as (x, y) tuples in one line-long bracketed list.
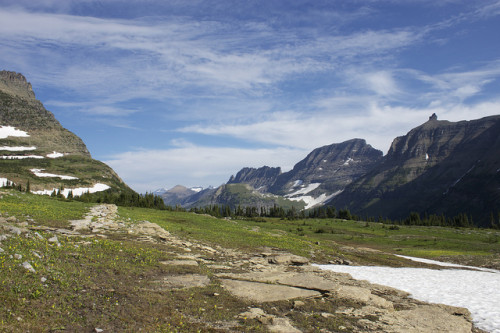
[(43, 279), (252, 313), (98, 330), (12, 219), (38, 235), (298, 304), (53, 240), (36, 254), (18, 256), (1, 250), (15, 230), (28, 266)]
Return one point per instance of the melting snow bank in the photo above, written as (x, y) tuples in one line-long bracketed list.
[(449, 264), (39, 173), (17, 148), (476, 290), (55, 155), (5, 182), (20, 157), (76, 191), (6, 131)]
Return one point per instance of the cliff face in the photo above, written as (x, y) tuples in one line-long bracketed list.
[(260, 179), (333, 166), (438, 167)]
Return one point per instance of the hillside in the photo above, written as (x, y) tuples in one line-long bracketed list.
[(36, 150), (234, 195)]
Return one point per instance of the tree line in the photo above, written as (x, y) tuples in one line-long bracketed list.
[(330, 212)]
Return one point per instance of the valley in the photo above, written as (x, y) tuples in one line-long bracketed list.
[(101, 267)]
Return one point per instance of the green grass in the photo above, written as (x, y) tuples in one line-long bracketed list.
[(88, 283), (326, 237), (42, 209)]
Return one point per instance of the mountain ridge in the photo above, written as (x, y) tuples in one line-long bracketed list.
[(438, 167)]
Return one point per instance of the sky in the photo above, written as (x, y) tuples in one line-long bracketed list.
[(189, 92)]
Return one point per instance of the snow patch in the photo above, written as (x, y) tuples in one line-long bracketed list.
[(196, 189), (5, 182), (475, 290), (305, 190), (55, 155), (426, 157), (6, 131), (76, 191), (17, 148), (297, 183), (311, 201), (348, 161), (447, 264), (20, 157), (459, 179), (39, 173)]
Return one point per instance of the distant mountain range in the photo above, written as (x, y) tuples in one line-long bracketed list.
[(440, 167), (36, 150)]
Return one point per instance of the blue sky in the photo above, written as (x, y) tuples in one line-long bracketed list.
[(189, 92)]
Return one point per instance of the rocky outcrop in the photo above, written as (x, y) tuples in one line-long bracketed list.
[(260, 179), (16, 84)]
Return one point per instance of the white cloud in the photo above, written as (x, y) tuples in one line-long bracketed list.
[(379, 125), (191, 165)]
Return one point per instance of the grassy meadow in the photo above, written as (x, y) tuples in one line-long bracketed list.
[(79, 283)]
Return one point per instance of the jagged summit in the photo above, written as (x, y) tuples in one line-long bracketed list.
[(16, 84), (433, 117)]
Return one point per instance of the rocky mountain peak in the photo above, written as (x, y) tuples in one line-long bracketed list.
[(260, 178), (433, 117), (16, 84)]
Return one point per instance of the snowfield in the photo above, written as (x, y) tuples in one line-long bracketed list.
[(305, 190), (4, 182), (20, 157), (76, 191), (55, 155), (6, 131), (476, 290), (17, 148), (40, 173)]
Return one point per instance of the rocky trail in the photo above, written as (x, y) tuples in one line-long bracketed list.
[(279, 289)]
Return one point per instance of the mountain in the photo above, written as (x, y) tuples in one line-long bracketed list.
[(36, 149), (260, 179), (440, 167), (235, 195), (324, 173), (178, 195), (327, 170)]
